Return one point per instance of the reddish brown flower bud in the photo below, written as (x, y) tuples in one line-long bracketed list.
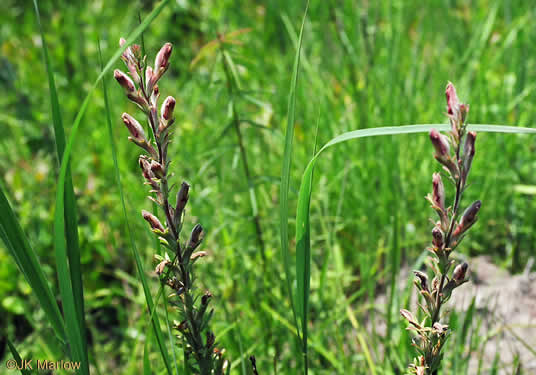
[(198, 254), (438, 240), (206, 297), (166, 111), (161, 267), (406, 314), (438, 192), (469, 217), (133, 126), (464, 110), (423, 279), (155, 95), (182, 199), (157, 169), (468, 152), (440, 143), (452, 99), (124, 81), (459, 272), (195, 237), (153, 221), (146, 168), (162, 58)]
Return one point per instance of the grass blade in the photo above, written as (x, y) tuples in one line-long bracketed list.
[(71, 221), (16, 357), (285, 176), (153, 317), (19, 248)]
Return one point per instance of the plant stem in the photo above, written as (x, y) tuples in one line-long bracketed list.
[(231, 85)]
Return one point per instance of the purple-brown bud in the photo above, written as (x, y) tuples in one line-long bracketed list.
[(423, 279), (206, 297), (166, 111), (468, 152), (124, 81), (182, 199), (438, 238), (161, 267), (452, 99), (134, 127), (438, 191), (469, 217), (157, 169), (146, 168), (195, 237), (459, 273), (440, 143), (162, 58), (153, 221)]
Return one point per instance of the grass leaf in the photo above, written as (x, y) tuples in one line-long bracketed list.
[(16, 357), (19, 248), (71, 220), (285, 176)]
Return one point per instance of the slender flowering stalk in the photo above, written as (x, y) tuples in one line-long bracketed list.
[(175, 271), (448, 232)]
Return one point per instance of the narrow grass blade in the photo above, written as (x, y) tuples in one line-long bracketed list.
[(304, 196), (19, 248), (303, 262), (150, 305), (71, 220), (16, 357), (285, 176)]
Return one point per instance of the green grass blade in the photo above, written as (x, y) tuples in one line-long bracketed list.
[(71, 221), (19, 248), (303, 262), (148, 298), (285, 176), (16, 357), (304, 195)]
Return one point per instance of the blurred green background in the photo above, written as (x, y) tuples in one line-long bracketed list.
[(364, 64)]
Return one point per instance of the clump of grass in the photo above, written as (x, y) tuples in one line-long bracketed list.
[(447, 234), (175, 271)]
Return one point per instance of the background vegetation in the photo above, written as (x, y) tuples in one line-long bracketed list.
[(364, 64)]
